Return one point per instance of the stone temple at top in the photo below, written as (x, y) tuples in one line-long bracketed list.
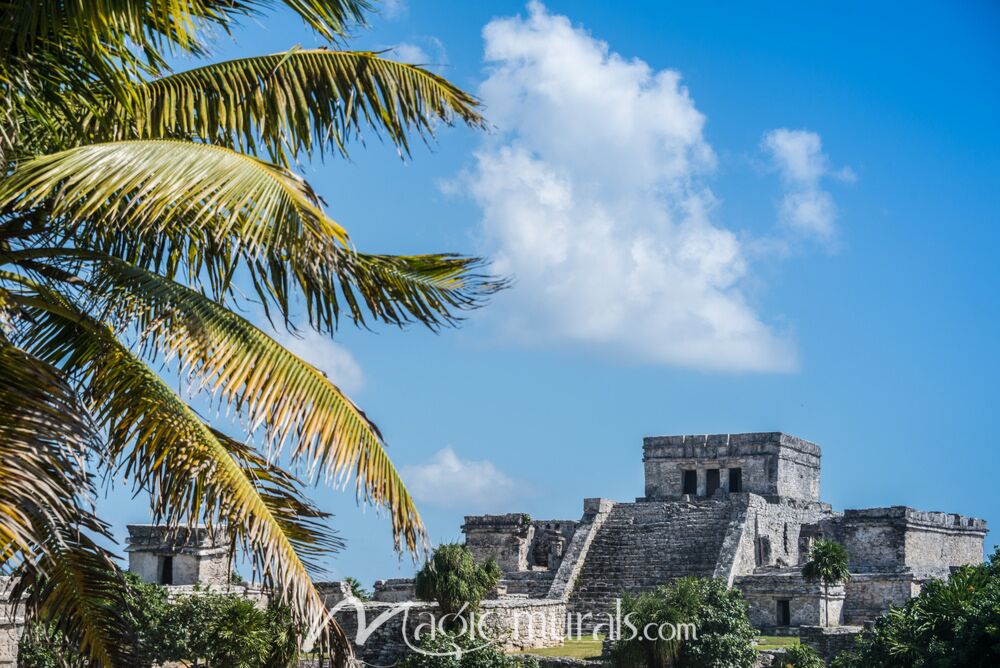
[(742, 507)]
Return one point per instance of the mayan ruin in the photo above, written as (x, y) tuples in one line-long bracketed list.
[(742, 507)]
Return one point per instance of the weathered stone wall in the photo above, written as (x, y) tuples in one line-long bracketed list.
[(899, 538), (765, 533), (395, 590), (11, 625), (250, 592), (549, 542), (520, 624), (772, 464), (829, 641), (533, 584), (807, 601), (194, 555), (504, 538), (871, 594)]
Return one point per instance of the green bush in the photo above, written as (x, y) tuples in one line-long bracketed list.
[(952, 623), (145, 607), (451, 650), (217, 631), (799, 656), (723, 631), (453, 579)]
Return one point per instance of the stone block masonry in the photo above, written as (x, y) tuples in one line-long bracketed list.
[(769, 464), (741, 507), (11, 624)]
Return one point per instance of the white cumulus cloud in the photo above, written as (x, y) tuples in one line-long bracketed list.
[(448, 481), (326, 355), (593, 198), (413, 54), (806, 206)]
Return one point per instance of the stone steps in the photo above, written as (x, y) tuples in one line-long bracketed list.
[(643, 545)]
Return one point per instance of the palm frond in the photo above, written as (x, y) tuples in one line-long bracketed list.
[(154, 25), (45, 527), (168, 450), (300, 101), (292, 401), (75, 586), (153, 186), (45, 437)]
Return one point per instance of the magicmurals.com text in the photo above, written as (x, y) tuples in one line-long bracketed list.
[(493, 626)]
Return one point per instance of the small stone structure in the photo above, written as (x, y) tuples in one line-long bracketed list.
[(742, 507), (180, 556)]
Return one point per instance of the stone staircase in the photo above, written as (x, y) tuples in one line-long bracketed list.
[(642, 545)]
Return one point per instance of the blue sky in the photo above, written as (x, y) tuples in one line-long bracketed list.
[(718, 218)]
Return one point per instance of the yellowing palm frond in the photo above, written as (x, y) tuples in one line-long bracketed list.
[(167, 449), (155, 186), (275, 390)]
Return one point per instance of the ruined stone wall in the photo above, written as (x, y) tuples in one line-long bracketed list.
[(829, 641), (898, 538), (520, 624), (395, 590), (807, 601), (771, 464), (11, 625), (504, 538), (870, 594), (766, 534)]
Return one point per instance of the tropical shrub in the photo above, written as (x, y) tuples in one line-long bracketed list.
[(952, 623), (453, 579), (216, 631), (723, 634), (143, 610), (799, 656)]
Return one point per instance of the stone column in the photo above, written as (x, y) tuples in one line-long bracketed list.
[(702, 481), (724, 479)]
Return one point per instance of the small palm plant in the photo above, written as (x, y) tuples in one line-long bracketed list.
[(827, 564)]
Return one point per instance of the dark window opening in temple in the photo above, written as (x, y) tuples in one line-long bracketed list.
[(711, 481), (690, 482), (784, 612), (736, 480), (167, 571)]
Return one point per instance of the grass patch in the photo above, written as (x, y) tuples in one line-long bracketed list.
[(776, 642), (582, 648)]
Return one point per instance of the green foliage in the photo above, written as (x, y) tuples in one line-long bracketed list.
[(358, 589), (108, 272), (450, 650), (217, 631), (799, 656), (827, 563), (42, 646), (453, 579), (952, 623), (719, 614)]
